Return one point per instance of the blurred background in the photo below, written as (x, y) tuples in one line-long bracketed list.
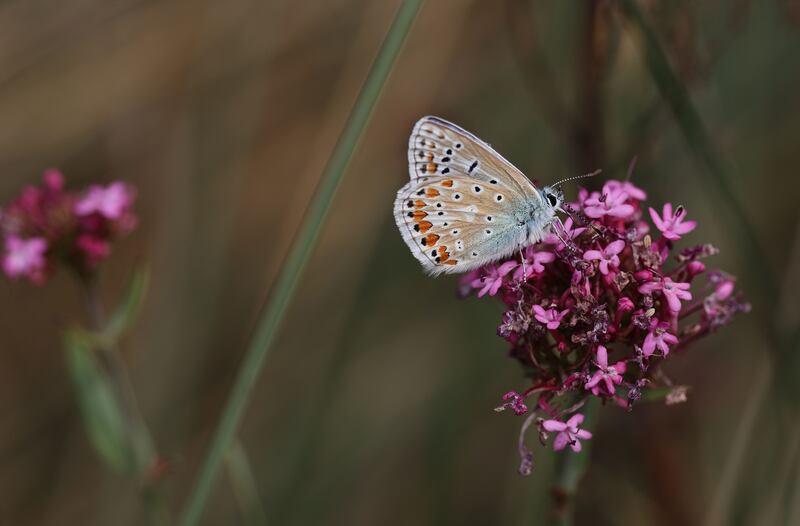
[(375, 406)]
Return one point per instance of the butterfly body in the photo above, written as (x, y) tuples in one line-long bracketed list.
[(465, 205)]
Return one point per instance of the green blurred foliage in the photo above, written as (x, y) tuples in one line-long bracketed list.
[(99, 404)]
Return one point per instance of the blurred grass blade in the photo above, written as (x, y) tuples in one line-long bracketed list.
[(99, 405), (127, 311), (676, 95), (570, 469), (293, 266), (244, 485)]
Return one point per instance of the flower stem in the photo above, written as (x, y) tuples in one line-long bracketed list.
[(570, 469), (140, 436), (292, 268)]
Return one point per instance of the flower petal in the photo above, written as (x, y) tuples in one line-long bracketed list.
[(554, 425)]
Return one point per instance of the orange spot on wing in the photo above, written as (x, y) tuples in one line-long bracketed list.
[(424, 226), (431, 239), (419, 204), (444, 255), (450, 262), (431, 168), (419, 215), (447, 183), (431, 192)]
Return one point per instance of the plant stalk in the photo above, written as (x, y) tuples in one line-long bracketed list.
[(570, 469), (292, 268), (140, 435)]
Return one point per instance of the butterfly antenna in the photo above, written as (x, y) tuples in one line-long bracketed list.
[(596, 172)]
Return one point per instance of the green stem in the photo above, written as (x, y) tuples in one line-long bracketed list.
[(570, 469), (286, 282), (245, 488), (140, 435)]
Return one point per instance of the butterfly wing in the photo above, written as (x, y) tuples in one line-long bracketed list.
[(455, 225), (465, 205)]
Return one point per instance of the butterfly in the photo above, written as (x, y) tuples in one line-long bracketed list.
[(465, 205)]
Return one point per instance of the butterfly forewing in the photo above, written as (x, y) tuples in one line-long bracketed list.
[(438, 147)]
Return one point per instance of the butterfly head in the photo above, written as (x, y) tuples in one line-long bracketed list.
[(552, 197)]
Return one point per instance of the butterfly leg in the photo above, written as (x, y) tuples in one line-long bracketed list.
[(557, 220)]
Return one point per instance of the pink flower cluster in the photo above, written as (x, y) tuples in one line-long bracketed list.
[(46, 224), (593, 309)]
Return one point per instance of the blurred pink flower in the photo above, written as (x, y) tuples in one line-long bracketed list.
[(625, 186), (550, 317), (25, 258), (110, 202), (77, 229), (673, 292), (608, 256), (672, 226), (568, 432), (94, 249), (724, 290), (609, 375)]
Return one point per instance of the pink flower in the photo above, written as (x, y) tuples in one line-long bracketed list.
[(609, 375), (550, 317), (672, 226), (110, 202), (724, 290), (673, 292), (608, 257), (611, 203), (494, 279), (576, 305), (568, 432), (534, 263), (625, 304), (25, 258), (625, 186), (695, 267), (658, 338), (94, 249)]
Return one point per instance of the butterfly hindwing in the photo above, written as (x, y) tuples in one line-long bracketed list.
[(457, 224)]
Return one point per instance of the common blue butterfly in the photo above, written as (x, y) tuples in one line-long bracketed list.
[(466, 205)]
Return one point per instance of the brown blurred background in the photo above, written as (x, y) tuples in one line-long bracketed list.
[(376, 405)]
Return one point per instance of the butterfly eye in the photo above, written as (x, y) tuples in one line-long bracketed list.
[(552, 200)]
